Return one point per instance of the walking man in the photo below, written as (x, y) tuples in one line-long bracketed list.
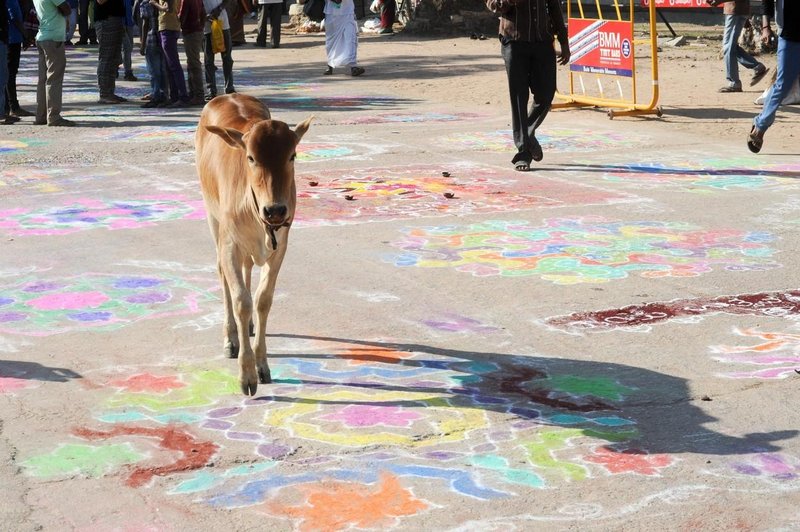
[(527, 28), (736, 13), (787, 17)]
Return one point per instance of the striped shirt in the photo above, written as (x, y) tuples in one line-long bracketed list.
[(529, 20)]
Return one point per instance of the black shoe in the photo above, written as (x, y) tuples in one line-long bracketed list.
[(328, 71), (536, 150), (130, 77), (258, 44), (209, 97), (276, 45), (356, 71)]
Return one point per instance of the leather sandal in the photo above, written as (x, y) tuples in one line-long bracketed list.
[(755, 140)]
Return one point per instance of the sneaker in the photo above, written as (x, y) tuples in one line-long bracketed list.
[(209, 97), (731, 88), (63, 122), (759, 75), (386, 31), (130, 77)]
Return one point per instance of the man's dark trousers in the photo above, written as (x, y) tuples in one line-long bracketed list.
[(531, 68)]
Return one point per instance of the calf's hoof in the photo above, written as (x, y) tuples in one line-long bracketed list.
[(248, 380), (231, 350), (249, 388), (264, 376)]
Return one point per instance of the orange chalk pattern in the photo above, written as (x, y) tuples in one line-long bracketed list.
[(146, 382), (341, 505), (371, 355), (630, 461)]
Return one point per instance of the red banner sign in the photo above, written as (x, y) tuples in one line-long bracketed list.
[(601, 47), (666, 4)]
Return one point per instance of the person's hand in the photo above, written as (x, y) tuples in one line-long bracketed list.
[(564, 55), (766, 34)]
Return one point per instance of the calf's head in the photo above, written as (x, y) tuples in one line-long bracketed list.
[(270, 148)]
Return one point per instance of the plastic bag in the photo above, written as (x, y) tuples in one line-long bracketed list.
[(217, 37)]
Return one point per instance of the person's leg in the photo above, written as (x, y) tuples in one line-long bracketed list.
[(192, 45), (12, 103), (41, 92), (542, 84), (388, 14), (227, 63), (177, 83), (517, 62), (261, 38), (71, 22), (109, 36), (127, 49), (3, 78), (275, 16), (211, 70), (83, 22), (733, 26), (56, 65), (155, 59), (788, 70)]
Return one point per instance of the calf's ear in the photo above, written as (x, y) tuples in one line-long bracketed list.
[(232, 136), (302, 127)]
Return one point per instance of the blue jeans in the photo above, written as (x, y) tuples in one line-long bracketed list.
[(788, 70), (733, 53), (154, 58), (3, 76)]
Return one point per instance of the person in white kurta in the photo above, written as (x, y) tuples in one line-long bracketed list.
[(341, 36)]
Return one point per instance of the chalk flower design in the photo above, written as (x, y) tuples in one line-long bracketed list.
[(146, 382), (371, 416), (630, 461), (341, 505), (584, 250)]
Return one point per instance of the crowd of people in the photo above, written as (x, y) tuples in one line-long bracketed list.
[(207, 27)]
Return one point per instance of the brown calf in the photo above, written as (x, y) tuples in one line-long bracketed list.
[(245, 162)]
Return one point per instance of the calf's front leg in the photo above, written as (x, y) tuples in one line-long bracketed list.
[(264, 297), (242, 311)]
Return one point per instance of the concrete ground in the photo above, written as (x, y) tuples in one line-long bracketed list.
[(608, 342)]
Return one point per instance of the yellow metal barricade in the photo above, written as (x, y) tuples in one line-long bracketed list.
[(609, 55)]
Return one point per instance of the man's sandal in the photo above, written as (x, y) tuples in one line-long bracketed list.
[(755, 140), (522, 166)]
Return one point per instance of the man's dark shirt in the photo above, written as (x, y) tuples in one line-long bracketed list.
[(112, 8), (791, 18), (529, 20)]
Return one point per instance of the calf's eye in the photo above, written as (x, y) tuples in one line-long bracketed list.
[(250, 159), (293, 157)]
